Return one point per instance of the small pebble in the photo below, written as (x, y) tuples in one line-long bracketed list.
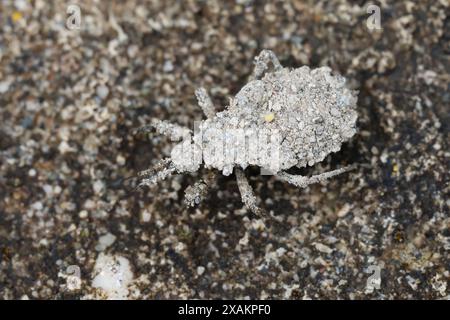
[(200, 270), (32, 173), (102, 91)]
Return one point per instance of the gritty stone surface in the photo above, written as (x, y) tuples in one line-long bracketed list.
[(70, 100)]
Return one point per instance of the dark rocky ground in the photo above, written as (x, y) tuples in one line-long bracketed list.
[(69, 100)]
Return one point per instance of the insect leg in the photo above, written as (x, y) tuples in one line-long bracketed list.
[(194, 194), (158, 172), (205, 102), (248, 198), (303, 182), (173, 131), (262, 63)]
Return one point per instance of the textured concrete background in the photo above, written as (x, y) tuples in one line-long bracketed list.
[(69, 100)]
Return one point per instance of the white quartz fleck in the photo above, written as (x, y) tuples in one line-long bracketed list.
[(113, 276), (200, 270), (105, 241)]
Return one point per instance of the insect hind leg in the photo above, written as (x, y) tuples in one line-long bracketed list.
[(174, 131), (303, 182)]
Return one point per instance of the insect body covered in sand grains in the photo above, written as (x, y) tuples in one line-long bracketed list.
[(280, 119)]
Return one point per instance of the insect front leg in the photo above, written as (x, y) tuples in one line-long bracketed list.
[(151, 176), (303, 182), (205, 102), (262, 63), (174, 131), (158, 172)]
